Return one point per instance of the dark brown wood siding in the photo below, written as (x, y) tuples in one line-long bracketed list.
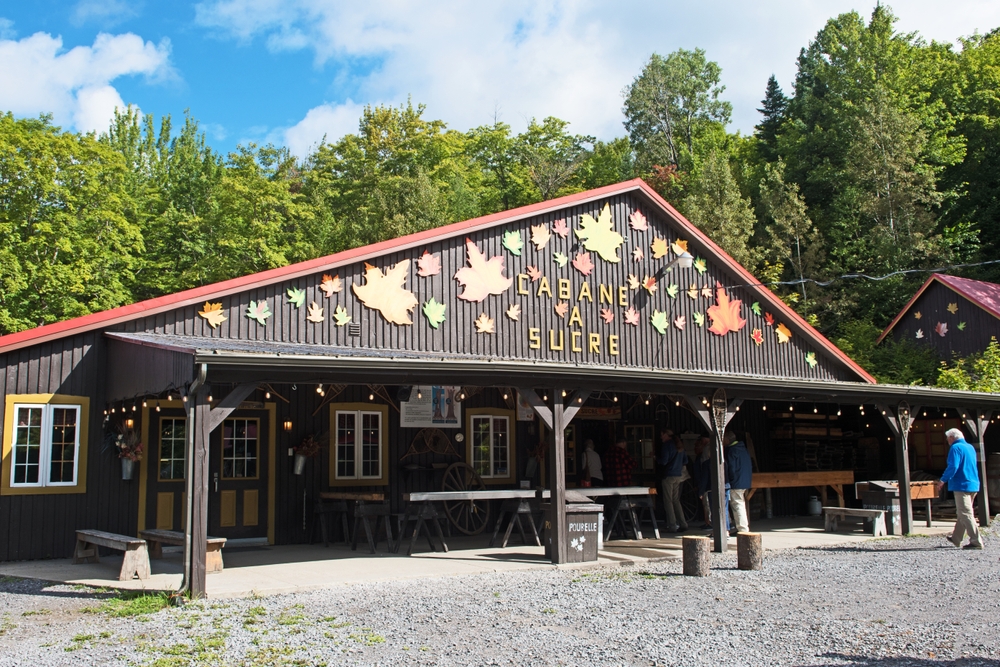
[(978, 325)]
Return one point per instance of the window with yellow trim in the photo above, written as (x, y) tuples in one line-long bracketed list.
[(359, 444), (44, 446)]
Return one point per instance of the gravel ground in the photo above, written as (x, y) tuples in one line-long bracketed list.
[(883, 603)]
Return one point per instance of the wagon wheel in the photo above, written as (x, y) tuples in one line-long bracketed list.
[(469, 516)]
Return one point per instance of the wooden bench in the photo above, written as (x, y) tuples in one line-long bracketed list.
[(134, 564), (834, 514), (157, 538)]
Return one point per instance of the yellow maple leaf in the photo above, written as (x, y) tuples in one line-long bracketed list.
[(783, 333), (599, 235), (952, 308), (679, 247), (484, 324), (540, 235), (633, 281), (386, 292), (659, 247), (213, 314)]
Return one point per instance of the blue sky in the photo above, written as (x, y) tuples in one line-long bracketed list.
[(292, 71)]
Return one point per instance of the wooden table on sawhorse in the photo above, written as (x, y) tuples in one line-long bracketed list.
[(420, 511), (516, 508), (363, 513)]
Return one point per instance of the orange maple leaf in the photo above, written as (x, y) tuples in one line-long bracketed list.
[(632, 316), (386, 292), (582, 263), (330, 285), (561, 309), (428, 265), (482, 276), (649, 282), (213, 314), (607, 315), (679, 246), (659, 247), (769, 319), (783, 333), (534, 273), (725, 314)]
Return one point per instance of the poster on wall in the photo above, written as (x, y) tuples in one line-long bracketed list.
[(525, 413), (431, 407)]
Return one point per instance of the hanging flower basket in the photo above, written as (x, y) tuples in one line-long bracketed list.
[(306, 449), (128, 469), (129, 448)]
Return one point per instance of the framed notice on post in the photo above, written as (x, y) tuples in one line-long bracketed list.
[(525, 413), (431, 407)]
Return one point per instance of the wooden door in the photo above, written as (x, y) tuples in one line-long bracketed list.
[(238, 465), (165, 469)]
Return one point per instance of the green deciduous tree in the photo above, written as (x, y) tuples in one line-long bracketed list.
[(716, 205), (977, 372)]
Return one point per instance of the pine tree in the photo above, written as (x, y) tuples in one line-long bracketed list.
[(774, 109)]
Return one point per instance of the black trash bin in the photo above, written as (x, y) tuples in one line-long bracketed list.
[(583, 531), (884, 496)]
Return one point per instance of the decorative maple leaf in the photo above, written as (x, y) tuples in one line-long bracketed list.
[(582, 263), (340, 316), (315, 312), (692, 291), (428, 265), (706, 291), (561, 309), (387, 293), (769, 319), (757, 336), (331, 285), (672, 291), (296, 297), (637, 221), (560, 258), (514, 312), (540, 236), (259, 310), (725, 314), (659, 321), (649, 283), (961, 326), (811, 359), (633, 281), (434, 312), (680, 322), (679, 247), (638, 255), (482, 276), (599, 235), (534, 273), (512, 241), (700, 265), (920, 333), (699, 319), (560, 227), (659, 247), (783, 334), (632, 316), (213, 314), (917, 315), (941, 329), (484, 324), (607, 315), (953, 308), (755, 308)]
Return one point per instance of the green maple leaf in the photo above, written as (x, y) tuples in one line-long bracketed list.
[(700, 265), (340, 316), (434, 312), (259, 310), (296, 297), (672, 291), (755, 308), (811, 359), (560, 258), (512, 241), (961, 326), (600, 236), (659, 321), (699, 319)]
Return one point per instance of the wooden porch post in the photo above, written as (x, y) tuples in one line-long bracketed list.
[(977, 421), (715, 419), (199, 468), (899, 421)]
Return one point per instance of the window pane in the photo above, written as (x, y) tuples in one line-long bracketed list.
[(500, 447), (481, 445), (346, 426), (63, 448), (239, 448), (172, 445), (372, 448), (27, 445)]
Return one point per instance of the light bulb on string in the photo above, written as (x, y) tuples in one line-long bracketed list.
[(267, 395), (157, 408), (615, 398)]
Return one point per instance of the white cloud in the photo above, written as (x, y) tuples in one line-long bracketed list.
[(7, 29), (104, 12), (38, 76), (546, 57), (329, 120)]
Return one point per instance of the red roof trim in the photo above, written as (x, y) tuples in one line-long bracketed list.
[(958, 289), (197, 295), (899, 315), (942, 279)]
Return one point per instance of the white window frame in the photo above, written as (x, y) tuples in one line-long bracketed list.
[(492, 474), (45, 447), (359, 416)]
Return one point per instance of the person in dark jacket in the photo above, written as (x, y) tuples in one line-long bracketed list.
[(962, 477), (702, 473), (618, 464), (739, 472), (671, 461)]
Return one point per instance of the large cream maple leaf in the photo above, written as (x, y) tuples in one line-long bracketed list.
[(386, 292), (482, 276), (600, 236)]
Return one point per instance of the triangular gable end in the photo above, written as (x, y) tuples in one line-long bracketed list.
[(580, 279)]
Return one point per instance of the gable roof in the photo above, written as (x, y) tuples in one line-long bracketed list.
[(983, 294), (198, 295)]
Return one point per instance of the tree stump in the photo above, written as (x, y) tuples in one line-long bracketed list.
[(749, 554), (696, 555)]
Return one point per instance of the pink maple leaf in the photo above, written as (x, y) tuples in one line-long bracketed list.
[(632, 316), (680, 322), (582, 263), (428, 265), (607, 315), (725, 313), (534, 273), (941, 329), (769, 318), (637, 221), (560, 227), (638, 255)]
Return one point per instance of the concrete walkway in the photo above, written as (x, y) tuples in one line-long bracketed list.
[(285, 569)]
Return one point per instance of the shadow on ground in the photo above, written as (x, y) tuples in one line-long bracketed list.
[(841, 660)]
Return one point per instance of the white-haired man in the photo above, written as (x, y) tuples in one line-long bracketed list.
[(962, 477)]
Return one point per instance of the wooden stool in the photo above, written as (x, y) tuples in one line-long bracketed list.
[(363, 512), (624, 512), (515, 507), (696, 555), (421, 513)]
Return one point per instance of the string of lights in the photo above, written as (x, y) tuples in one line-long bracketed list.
[(865, 276)]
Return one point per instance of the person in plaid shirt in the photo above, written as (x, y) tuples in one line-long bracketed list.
[(618, 465)]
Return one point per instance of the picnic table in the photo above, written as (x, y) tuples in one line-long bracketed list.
[(820, 479), (367, 505)]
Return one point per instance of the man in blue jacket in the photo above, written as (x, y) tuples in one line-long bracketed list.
[(671, 460), (962, 477), (739, 472)]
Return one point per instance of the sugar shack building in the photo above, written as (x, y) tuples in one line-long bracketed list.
[(484, 352)]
